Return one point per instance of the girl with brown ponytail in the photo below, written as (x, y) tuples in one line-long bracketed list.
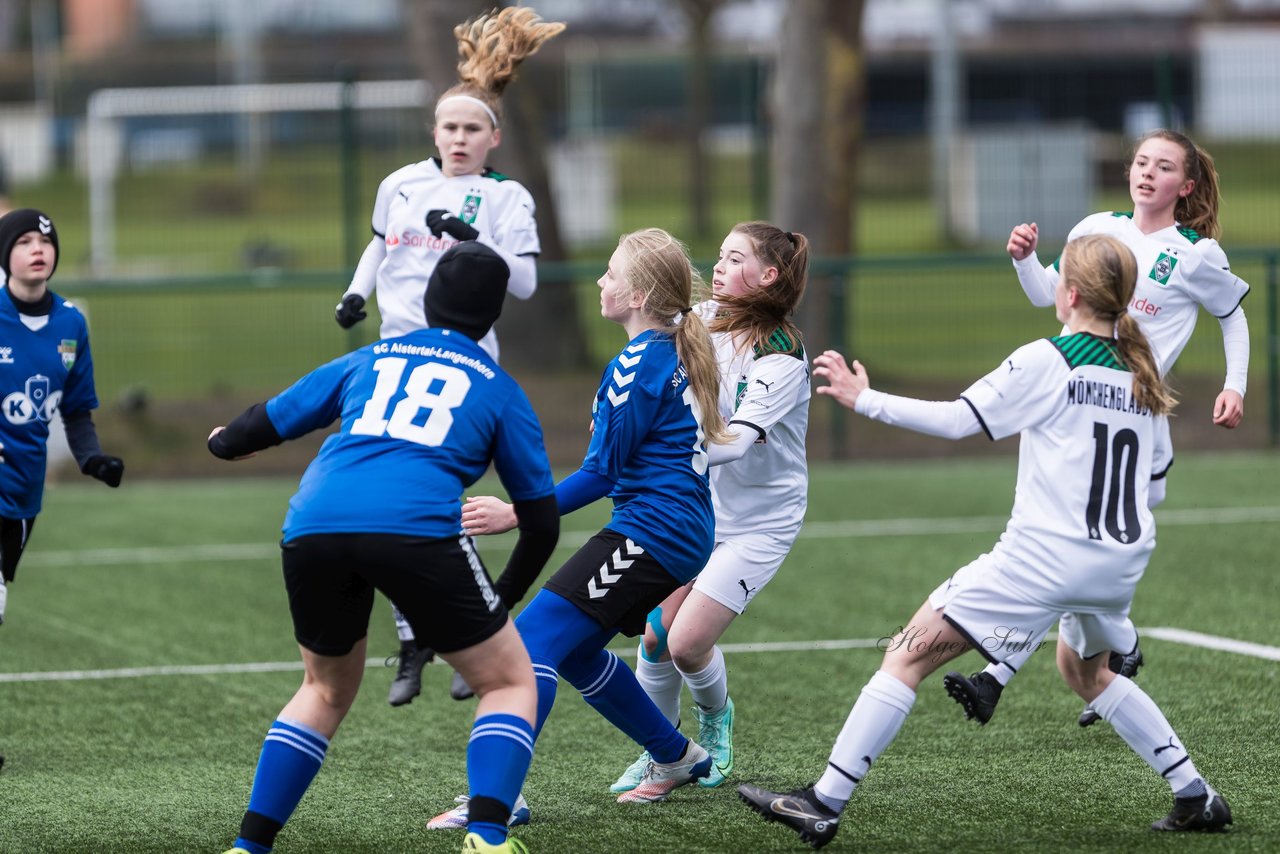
[(1084, 405), (1173, 232), (759, 482), (1179, 268)]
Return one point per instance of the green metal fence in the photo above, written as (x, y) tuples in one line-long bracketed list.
[(923, 323)]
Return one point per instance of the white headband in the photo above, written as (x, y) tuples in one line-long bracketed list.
[(492, 116)]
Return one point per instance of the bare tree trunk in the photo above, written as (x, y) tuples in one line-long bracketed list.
[(846, 94), (545, 331), (699, 114), (798, 97), (818, 99)]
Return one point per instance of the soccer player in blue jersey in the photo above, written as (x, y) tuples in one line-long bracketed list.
[(422, 416), (653, 414), (45, 368)]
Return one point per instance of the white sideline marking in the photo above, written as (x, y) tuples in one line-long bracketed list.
[(910, 527), (1191, 638), (1182, 636)]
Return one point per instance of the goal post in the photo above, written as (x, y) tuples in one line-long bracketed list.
[(104, 138)]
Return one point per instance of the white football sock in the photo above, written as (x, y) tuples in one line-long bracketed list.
[(1001, 671), (876, 718), (1142, 725), (403, 630), (709, 687), (662, 682)]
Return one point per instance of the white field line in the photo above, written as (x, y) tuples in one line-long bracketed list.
[(1173, 635), (911, 527), (1204, 641)]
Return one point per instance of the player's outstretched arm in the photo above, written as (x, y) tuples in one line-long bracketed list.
[(845, 381), (249, 432), (539, 524), (485, 514)]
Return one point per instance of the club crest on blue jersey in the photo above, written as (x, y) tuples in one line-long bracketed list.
[(6, 355), (34, 403), (67, 348), (1163, 269)]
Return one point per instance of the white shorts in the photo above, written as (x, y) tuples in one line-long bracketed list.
[(977, 602), (738, 569)]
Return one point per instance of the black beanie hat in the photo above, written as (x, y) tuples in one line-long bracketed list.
[(466, 289), (14, 224)]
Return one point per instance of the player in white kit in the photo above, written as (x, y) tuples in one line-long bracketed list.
[(759, 482), (1172, 232), (423, 209), (1081, 531)]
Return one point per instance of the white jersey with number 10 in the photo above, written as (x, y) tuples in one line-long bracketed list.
[(1080, 533)]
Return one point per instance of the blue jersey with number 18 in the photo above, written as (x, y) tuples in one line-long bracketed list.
[(647, 437), (422, 417)]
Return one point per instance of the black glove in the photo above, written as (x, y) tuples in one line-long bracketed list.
[(350, 311), (109, 470), (442, 221)]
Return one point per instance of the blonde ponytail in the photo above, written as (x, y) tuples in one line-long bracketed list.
[(698, 355), (658, 270), (492, 47)]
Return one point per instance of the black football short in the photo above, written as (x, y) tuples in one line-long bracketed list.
[(14, 534), (439, 585), (614, 581)]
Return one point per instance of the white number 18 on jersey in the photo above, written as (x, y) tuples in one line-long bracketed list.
[(451, 387)]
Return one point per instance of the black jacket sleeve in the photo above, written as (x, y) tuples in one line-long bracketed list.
[(539, 525), (250, 431), (82, 437)]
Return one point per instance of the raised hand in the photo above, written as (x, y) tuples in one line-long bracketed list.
[(846, 381), (1023, 240)]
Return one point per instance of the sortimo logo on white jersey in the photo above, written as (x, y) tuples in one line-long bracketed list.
[(35, 403)]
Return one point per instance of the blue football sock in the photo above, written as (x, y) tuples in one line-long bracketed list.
[(611, 688), (291, 755), (548, 682), (563, 641), (498, 757), (551, 627)]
